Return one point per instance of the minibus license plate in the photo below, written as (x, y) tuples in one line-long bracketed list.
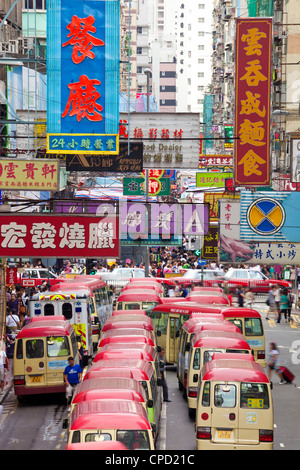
[(224, 434), (36, 379)]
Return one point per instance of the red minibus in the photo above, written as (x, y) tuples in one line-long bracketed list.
[(127, 335)]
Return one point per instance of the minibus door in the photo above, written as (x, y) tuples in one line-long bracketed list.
[(225, 413), (174, 338), (35, 365)]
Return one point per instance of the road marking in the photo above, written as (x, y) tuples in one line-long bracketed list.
[(272, 323), (281, 444)]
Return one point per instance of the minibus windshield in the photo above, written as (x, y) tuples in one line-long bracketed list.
[(34, 348), (57, 346), (253, 327), (134, 440)]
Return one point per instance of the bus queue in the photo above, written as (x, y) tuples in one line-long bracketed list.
[(217, 349)]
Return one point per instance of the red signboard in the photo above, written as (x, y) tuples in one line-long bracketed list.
[(253, 94), (11, 276), (52, 236)]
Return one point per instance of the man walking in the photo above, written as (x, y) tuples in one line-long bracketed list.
[(72, 377)]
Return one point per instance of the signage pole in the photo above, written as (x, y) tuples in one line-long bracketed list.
[(147, 72)]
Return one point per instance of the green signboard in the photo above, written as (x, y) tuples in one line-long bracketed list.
[(211, 180), (136, 186)]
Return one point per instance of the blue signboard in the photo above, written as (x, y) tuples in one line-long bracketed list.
[(270, 217), (83, 76)]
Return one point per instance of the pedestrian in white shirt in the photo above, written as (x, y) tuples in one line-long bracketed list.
[(3, 365)]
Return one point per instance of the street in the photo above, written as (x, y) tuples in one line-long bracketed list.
[(37, 425)]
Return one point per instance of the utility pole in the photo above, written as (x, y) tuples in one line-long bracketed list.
[(148, 73)]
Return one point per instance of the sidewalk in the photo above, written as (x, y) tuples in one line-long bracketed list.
[(8, 382)]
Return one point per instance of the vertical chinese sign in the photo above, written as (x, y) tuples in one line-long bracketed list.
[(253, 95), (83, 75)]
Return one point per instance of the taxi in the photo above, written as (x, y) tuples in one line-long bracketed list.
[(188, 331), (139, 370), (126, 422), (234, 406), (203, 346)]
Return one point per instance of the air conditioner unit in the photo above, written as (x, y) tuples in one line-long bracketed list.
[(4, 47)]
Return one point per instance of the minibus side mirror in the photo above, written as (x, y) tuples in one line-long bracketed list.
[(187, 347), (159, 382), (161, 364), (149, 403), (65, 423), (96, 320), (153, 428), (271, 385), (158, 333)]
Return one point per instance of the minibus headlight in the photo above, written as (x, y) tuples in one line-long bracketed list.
[(265, 435), (203, 433)]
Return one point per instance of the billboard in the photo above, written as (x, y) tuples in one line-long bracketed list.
[(211, 180), (29, 175), (33, 235), (172, 139), (253, 94), (234, 250), (270, 216), (83, 74), (161, 224)]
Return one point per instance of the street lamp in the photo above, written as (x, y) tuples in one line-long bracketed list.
[(147, 72)]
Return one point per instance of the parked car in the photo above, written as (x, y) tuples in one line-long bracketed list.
[(31, 277), (256, 280)]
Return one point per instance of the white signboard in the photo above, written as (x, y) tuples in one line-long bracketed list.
[(171, 140), (295, 160)]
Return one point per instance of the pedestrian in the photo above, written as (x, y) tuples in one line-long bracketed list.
[(161, 355), (249, 298), (72, 377), (182, 292), (13, 304), (271, 302), (80, 350), (240, 296), (273, 363), (290, 297), (3, 365), (277, 299), (12, 321), (284, 305)]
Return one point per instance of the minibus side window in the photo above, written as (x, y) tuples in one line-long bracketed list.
[(49, 309), (34, 348), (206, 394), (76, 437), (132, 307), (67, 311), (74, 345), (254, 395), (19, 351), (98, 437), (134, 440), (144, 383), (225, 396), (196, 362), (153, 389), (160, 321), (253, 327), (208, 355)]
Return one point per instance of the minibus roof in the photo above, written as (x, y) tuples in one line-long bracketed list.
[(123, 354), (109, 415), (127, 324), (127, 332), (138, 286), (109, 394), (208, 299), (195, 325), (66, 294), (126, 339), (220, 339), (131, 368), (146, 279), (129, 317), (129, 312), (204, 292), (232, 370), (233, 356), (207, 289), (151, 350), (237, 312), (139, 296), (109, 383), (103, 445), (46, 328), (187, 308)]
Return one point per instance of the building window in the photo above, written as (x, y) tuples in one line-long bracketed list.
[(34, 4), (139, 30), (201, 20), (201, 6), (201, 47), (139, 50)]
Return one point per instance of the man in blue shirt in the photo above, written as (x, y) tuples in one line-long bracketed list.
[(72, 377)]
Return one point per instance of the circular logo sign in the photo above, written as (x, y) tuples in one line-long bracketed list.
[(265, 216)]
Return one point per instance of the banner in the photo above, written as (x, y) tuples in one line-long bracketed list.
[(29, 175), (253, 95), (212, 180), (34, 235), (83, 76)]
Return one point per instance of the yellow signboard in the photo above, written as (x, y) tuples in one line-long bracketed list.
[(31, 175)]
